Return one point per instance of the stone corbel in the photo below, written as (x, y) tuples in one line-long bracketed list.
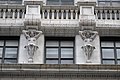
[(31, 47)]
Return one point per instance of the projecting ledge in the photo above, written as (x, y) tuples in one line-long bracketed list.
[(52, 69)]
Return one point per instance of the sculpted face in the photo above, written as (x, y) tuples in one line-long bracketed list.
[(31, 41)]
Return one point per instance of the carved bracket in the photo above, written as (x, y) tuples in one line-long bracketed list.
[(31, 36)]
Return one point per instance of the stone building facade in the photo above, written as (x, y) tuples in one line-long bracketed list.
[(59, 39)]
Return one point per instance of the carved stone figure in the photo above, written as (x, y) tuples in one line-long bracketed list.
[(88, 49), (88, 36), (31, 36)]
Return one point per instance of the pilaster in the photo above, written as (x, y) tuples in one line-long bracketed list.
[(88, 40), (31, 32)]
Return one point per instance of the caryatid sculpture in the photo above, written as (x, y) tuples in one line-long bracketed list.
[(88, 36), (31, 36)]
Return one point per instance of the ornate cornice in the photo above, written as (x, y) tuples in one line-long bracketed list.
[(62, 70)]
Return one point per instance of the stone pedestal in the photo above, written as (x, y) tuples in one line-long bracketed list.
[(32, 16), (87, 17)]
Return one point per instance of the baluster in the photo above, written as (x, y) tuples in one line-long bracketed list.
[(119, 14), (57, 14), (48, 14), (101, 16), (0, 13), (13, 14), (106, 14), (18, 13), (23, 13), (43, 14), (9, 13), (66, 14), (62, 17), (110, 14), (76, 14), (96, 14), (53, 14), (115, 12), (71, 14), (4, 13)]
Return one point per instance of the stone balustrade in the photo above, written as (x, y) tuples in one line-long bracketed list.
[(59, 13), (9, 13), (107, 13)]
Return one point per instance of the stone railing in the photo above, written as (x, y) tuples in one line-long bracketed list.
[(12, 12), (60, 12), (107, 13)]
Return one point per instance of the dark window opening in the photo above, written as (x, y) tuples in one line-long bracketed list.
[(59, 50), (110, 50), (9, 50)]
